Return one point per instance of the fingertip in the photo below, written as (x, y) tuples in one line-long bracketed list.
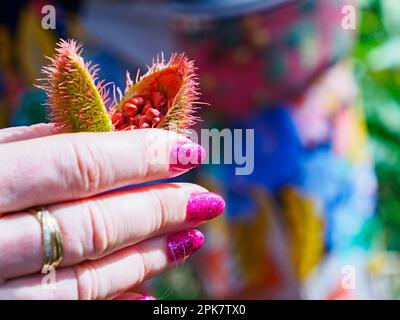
[(134, 296)]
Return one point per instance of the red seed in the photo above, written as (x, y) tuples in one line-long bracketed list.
[(135, 120), (152, 113), (137, 101), (142, 120), (158, 99), (130, 109), (121, 127), (147, 106), (144, 125), (117, 118), (155, 121)]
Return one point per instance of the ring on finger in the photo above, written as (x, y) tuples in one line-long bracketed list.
[(52, 240)]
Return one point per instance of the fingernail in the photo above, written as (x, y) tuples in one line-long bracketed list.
[(204, 206), (146, 298), (184, 243), (134, 296), (186, 155)]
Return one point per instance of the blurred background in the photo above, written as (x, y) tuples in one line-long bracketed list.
[(318, 81)]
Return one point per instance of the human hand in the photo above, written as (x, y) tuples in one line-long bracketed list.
[(112, 240)]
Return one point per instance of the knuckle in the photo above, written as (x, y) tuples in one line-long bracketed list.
[(160, 209), (101, 226), (144, 163), (143, 266), (88, 167), (87, 281)]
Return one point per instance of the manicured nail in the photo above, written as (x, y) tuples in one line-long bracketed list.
[(146, 298), (186, 155), (134, 296), (204, 206), (184, 243)]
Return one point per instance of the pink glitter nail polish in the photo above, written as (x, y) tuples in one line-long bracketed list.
[(204, 206), (146, 298), (186, 155), (184, 243), (134, 296)]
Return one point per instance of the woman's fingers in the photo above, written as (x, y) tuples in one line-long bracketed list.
[(71, 166), (29, 132), (110, 276), (96, 227)]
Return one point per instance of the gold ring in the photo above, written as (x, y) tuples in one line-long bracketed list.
[(52, 241)]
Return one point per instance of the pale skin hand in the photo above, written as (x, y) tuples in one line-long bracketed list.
[(112, 241)]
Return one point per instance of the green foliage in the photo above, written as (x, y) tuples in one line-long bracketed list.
[(378, 73)]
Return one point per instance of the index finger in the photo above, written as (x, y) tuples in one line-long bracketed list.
[(13, 134), (73, 166)]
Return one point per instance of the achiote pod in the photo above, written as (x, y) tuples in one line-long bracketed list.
[(75, 96), (165, 97)]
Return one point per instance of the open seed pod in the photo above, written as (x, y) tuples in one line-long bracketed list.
[(164, 97)]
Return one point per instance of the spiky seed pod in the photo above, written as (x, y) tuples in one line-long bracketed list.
[(165, 97), (75, 96)]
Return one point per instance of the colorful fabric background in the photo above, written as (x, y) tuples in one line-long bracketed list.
[(284, 73)]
